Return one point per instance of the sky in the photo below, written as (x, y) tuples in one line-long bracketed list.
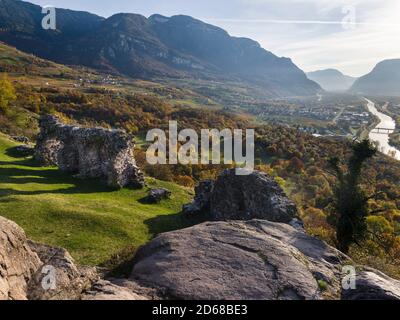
[(349, 35)]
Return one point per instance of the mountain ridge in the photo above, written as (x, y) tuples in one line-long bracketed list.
[(383, 80), (133, 45)]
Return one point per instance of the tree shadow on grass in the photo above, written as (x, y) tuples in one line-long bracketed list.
[(15, 152), (32, 173), (26, 162), (120, 264), (171, 222), (20, 159)]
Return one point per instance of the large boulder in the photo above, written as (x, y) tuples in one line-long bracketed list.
[(240, 260), (88, 152), (70, 280), (235, 197), (157, 195), (18, 262), (373, 285)]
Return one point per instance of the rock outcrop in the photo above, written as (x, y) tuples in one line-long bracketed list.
[(232, 197), (240, 260), (88, 152), (70, 280), (246, 260), (25, 269), (21, 139), (157, 195), (18, 262), (373, 285), (105, 290)]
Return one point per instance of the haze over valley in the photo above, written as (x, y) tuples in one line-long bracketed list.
[(186, 150)]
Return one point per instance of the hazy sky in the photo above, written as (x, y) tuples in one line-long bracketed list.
[(308, 31)]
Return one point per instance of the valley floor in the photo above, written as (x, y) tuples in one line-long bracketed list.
[(91, 221)]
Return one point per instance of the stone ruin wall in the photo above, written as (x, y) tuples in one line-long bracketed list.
[(88, 152)]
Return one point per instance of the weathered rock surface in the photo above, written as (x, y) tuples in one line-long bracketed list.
[(157, 195), (233, 197), (105, 290), (119, 290), (21, 139), (373, 285), (239, 260), (69, 279), (18, 262), (88, 152), (201, 203)]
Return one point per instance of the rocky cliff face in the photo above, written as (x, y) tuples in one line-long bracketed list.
[(88, 152)]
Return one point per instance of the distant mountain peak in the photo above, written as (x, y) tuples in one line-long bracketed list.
[(330, 71), (331, 79)]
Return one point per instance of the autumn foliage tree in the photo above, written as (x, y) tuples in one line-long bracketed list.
[(7, 93)]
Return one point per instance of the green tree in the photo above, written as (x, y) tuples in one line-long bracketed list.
[(350, 200), (7, 92)]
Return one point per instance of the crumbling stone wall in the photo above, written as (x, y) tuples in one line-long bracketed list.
[(88, 152)]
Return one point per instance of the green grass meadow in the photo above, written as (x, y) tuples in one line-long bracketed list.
[(88, 219)]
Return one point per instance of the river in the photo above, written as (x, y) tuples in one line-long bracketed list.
[(383, 138)]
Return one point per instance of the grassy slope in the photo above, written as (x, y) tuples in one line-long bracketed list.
[(9, 56), (89, 220)]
